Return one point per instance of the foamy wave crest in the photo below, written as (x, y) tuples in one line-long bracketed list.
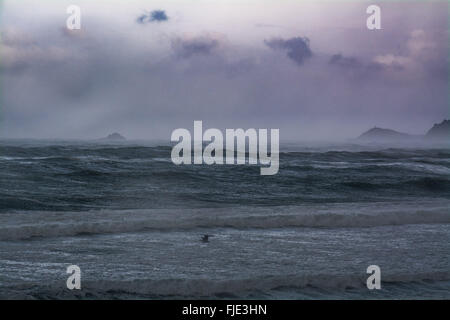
[(204, 287), (25, 225), (229, 288)]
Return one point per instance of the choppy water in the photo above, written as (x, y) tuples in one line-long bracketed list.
[(132, 221)]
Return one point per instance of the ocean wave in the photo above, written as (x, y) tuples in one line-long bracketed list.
[(206, 287), (424, 183), (61, 224), (267, 285), (373, 166)]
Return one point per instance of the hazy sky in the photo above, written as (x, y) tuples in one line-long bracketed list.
[(311, 69)]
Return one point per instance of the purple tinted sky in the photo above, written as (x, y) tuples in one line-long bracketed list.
[(311, 69)]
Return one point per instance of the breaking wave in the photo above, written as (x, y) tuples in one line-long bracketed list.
[(58, 224), (268, 286)]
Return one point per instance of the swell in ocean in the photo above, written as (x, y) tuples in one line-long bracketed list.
[(319, 286), (23, 225), (83, 177)]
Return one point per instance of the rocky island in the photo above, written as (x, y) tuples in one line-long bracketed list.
[(115, 137)]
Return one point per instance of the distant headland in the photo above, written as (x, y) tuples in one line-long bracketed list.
[(439, 132)]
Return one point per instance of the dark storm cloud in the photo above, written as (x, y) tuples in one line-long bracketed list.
[(153, 16), (202, 45), (297, 48)]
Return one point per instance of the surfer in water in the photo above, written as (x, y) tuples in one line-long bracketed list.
[(205, 238)]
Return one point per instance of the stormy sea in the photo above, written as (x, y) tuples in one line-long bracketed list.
[(133, 222)]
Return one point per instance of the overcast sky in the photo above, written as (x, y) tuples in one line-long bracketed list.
[(145, 68)]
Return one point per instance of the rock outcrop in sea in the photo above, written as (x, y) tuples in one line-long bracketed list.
[(115, 137)]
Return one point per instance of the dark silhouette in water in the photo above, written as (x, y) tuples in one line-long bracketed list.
[(205, 238)]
